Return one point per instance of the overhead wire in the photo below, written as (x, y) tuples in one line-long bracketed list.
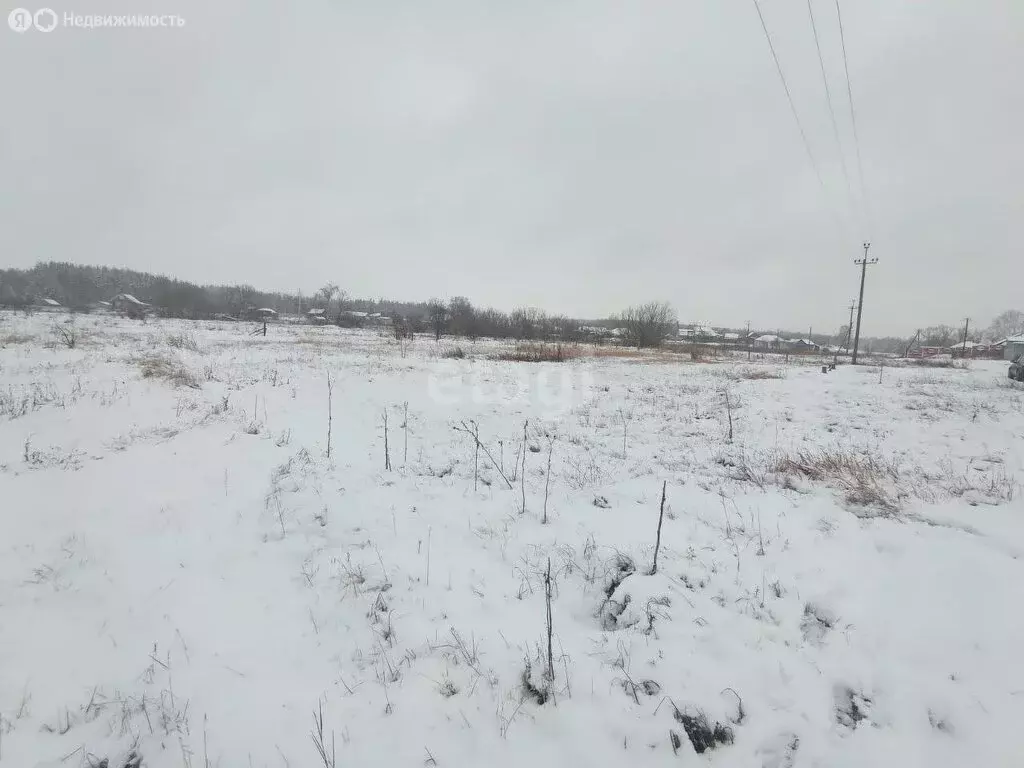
[(828, 99), (789, 96), (853, 120), (837, 220)]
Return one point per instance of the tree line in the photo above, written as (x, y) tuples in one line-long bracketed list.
[(79, 287)]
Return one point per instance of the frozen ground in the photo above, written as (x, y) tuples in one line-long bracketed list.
[(186, 576)]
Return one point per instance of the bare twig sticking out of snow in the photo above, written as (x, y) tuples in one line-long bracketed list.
[(472, 429), (429, 531), (383, 569), (317, 734), (330, 409), (387, 452), (547, 598), (405, 428), (280, 514), (515, 466), (622, 418), (476, 455), (728, 410), (661, 517), (547, 479), (522, 478)]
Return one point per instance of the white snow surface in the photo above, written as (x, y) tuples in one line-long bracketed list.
[(187, 576)]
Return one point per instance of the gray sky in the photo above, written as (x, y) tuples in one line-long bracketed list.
[(573, 155)]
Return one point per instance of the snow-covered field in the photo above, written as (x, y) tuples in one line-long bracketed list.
[(186, 576)]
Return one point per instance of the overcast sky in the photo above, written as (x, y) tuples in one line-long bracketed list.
[(577, 155)]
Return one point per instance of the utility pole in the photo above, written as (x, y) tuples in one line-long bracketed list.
[(849, 327), (963, 349), (863, 264), (748, 339)]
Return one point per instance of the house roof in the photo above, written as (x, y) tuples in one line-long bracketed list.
[(129, 298), (697, 330), (268, 310), (731, 336), (315, 312), (51, 303), (1014, 340), (768, 337)]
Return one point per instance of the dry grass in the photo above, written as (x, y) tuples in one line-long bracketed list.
[(185, 341), (8, 339), (757, 373), (172, 371), (453, 353), (15, 403), (66, 335), (871, 481), (982, 481), (867, 480), (632, 353), (929, 362), (537, 353)]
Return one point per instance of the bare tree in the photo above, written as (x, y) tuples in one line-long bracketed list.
[(938, 336), (648, 325), (1009, 323), (462, 317), (527, 323), (325, 294), (437, 313)]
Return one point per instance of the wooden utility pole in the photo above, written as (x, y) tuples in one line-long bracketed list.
[(863, 264), (849, 327), (967, 325)]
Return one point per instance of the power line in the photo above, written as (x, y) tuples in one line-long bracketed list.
[(828, 99), (853, 120), (789, 96)]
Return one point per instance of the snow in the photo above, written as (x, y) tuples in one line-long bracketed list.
[(185, 573)]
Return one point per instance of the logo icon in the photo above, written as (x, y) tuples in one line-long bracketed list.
[(20, 20), (45, 20)]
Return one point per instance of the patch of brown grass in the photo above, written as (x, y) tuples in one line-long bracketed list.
[(757, 374), (171, 371), (929, 362), (629, 352), (15, 338), (537, 353), (867, 480)]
